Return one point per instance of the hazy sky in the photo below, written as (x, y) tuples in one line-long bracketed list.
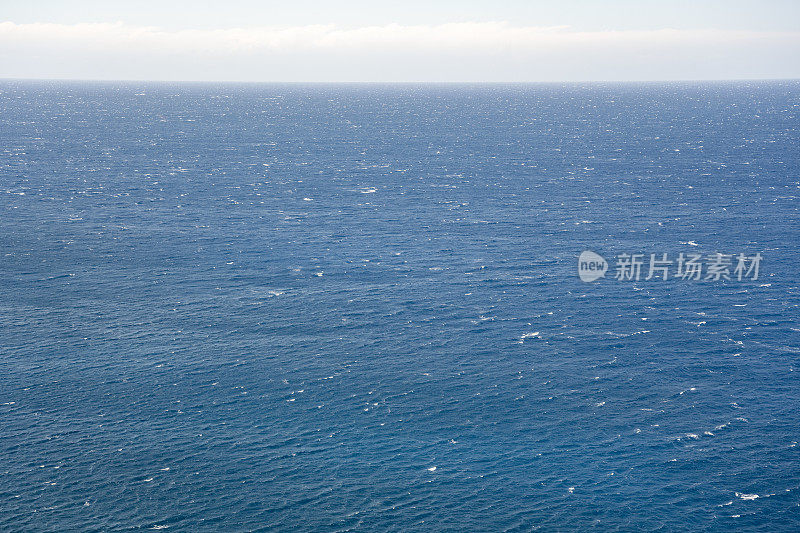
[(356, 40)]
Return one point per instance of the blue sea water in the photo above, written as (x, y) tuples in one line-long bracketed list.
[(357, 308)]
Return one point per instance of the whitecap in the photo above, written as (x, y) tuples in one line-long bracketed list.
[(534, 335)]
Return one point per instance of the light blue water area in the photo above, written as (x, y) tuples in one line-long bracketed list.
[(356, 307)]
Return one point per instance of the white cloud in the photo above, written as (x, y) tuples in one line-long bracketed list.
[(486, 51)]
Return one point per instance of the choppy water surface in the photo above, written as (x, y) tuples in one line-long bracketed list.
[(356, 308)]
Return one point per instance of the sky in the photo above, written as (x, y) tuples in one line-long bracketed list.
[(408, 41)]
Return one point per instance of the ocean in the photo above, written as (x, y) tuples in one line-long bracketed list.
[(255, 307)]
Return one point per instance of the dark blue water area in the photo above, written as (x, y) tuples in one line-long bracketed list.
[(357, 307)]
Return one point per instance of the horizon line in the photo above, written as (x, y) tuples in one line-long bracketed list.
[(395, 82)]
